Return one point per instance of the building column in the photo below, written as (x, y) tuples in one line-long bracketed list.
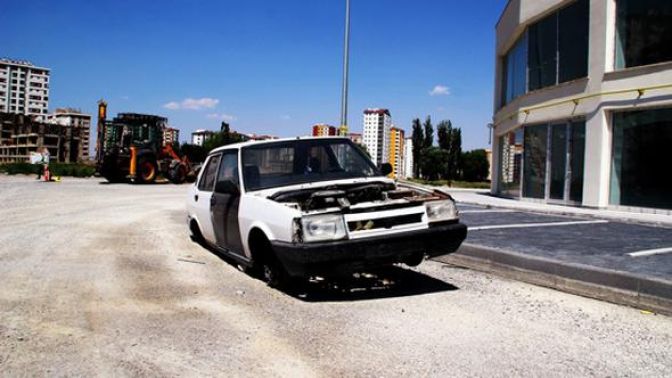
[(597, 160)]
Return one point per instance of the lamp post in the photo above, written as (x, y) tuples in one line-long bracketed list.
[(343, 129)]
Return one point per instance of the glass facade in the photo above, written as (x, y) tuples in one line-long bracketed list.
[(534, 172), (510, 163), (640, 157), (577, 148), (543, 51), (643, 32), (515, 71), (544, 162), (551, 51)]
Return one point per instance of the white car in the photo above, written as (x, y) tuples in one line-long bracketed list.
[(315, 207)]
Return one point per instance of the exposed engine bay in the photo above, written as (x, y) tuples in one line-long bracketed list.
[(381, 195)]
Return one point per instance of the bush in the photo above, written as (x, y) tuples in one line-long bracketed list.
[(56, 169)]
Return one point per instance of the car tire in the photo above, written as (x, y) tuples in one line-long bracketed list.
[(267, 267), (414, 260), (195, 233)]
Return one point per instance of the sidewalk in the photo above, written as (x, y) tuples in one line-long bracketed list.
[(625, 258), (483, 198)]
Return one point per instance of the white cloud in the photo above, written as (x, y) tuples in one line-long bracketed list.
[(440, 90), (172, 105), (221, 117), (193, 104)]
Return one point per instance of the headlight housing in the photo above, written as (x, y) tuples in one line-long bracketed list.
[(441, 211), (322, 227)]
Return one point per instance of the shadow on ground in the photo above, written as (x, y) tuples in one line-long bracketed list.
[(388, 282)]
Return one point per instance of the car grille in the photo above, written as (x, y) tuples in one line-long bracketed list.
[(389, 222)]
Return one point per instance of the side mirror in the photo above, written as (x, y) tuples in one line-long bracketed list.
[(386, 169), (227, 187)]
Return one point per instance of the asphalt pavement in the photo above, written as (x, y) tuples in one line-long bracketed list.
[(623, 260)]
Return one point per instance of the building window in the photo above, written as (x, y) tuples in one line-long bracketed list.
[(643, 32), (515, 71), (510, 162), (639, 155), (551, 51), (573, 31), (534, 175)]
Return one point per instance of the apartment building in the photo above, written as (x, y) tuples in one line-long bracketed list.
[(396, 152), (74, 118), (199, 136), (407, 171), (21, 135), (24, 88), (583, 103), (322, 129), (355, 138), (376, 134), (170, 136)]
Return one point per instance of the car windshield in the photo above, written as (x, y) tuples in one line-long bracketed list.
[(300, 161)]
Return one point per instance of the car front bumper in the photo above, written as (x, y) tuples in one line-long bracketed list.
[(351, 255)]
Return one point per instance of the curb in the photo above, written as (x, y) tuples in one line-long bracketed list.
[(624, 218), (588, 281)]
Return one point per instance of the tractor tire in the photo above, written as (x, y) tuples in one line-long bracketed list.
[(178, 174), (146, 170)]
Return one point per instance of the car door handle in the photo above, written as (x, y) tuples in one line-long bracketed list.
[(196, 197)]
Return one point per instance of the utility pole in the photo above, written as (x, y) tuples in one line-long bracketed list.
[(343, 130)]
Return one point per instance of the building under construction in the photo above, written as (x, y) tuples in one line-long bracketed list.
[(20, 135)]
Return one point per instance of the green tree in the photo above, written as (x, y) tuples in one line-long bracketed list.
[(418, 139), (194, 152), (443, 131), (475, 165), (433, 163), (221, 138), (429, 133), (455, 154)]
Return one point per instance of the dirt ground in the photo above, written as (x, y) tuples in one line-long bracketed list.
[(100, 279)]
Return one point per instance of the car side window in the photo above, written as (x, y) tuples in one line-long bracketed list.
[(207, 182), (228, 170)]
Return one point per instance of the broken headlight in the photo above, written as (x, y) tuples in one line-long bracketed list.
[(439, 211), (322, 227)]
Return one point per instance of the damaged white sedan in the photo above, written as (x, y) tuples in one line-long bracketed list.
[(315, 207)]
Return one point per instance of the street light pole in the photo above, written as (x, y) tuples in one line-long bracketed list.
[(343, 130)]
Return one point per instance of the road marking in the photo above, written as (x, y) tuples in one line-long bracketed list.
[(486, 211), (526, 225), (650, 252)]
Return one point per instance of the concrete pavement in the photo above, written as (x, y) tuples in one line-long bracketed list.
[(102, 280)]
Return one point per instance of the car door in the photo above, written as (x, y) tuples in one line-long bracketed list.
[(224, 204), (203, 194)]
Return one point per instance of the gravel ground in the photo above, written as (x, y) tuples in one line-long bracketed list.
[(102, 279)]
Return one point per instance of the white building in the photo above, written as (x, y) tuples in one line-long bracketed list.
[(583, 103), (407, 170), (69, 117), (24, 88), (376, 135), (199, 136)]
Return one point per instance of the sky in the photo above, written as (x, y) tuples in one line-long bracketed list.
[(264, 66)]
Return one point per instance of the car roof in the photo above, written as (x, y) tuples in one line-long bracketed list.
[(270, 141)]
